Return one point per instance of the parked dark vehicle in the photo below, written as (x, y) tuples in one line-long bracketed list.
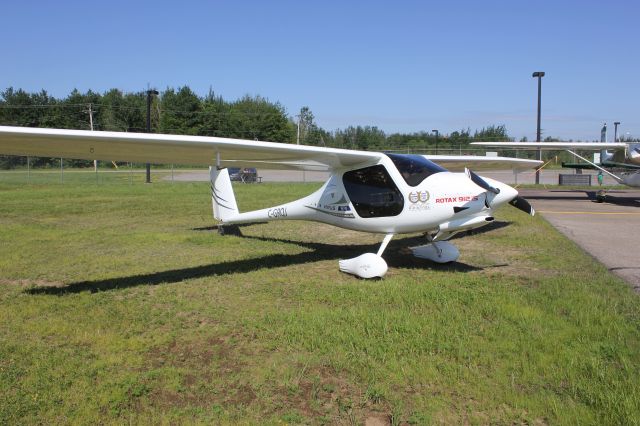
[(246, 175), (234, 174)]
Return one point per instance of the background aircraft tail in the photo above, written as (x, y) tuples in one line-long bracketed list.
[(605, 155), (223, 199)]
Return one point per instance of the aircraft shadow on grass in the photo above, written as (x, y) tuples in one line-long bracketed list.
[(398, 256)]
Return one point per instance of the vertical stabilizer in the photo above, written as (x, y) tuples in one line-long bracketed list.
[(604, 154), (223, 199)]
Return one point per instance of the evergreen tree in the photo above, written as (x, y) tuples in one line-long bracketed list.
[(182, 111)]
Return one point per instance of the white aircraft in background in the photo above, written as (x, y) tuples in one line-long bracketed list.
[(367, 191), (625, 156)]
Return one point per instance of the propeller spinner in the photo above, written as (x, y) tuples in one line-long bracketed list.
[(518, 202)]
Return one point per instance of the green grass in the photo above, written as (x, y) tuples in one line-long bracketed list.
[(118, 304)]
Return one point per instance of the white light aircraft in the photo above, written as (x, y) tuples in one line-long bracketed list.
[(367, 191), (608, 160)]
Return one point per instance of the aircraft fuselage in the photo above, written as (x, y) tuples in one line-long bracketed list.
[(379, 199)]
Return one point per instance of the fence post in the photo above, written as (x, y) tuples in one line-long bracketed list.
[(61, 172)]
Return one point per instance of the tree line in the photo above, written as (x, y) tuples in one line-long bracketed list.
[(182, 111)]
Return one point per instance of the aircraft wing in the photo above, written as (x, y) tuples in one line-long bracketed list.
[(481, 162), (591, 146), (174, 149), (621, 165)]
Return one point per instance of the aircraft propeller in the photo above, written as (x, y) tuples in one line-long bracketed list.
[(481, 182), (518, 202), (522, 204)]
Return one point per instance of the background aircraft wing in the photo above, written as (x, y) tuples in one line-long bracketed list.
[(174, 149), (480, 162), (592, 146)]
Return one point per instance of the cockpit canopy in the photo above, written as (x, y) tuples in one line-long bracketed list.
[(415, 168), (374, 193)]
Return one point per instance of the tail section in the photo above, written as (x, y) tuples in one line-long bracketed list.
[(605, 155), (223, 199)]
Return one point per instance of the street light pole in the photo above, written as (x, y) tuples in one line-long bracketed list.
[(149, 94), (304, 173), (539, 75), (437, 133), (615, 131)]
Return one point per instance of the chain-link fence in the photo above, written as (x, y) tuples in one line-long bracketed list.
[(108, 173), (105, 173)]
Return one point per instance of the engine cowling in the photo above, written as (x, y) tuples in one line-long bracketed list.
[(633, 153)]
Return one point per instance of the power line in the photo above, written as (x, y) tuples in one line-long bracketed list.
[(142, 108)]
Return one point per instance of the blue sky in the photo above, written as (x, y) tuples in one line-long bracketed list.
[(402, 66)]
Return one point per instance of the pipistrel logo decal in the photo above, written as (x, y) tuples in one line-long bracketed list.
[(419, 196)]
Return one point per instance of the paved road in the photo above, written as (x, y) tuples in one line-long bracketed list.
[(547, 177), (608, 231), (266, 175)]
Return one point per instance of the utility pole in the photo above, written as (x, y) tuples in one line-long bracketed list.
[(304, 173), (90, 117), (539, 75), (149, 94), (90, 112), (615, 131), (437, 133), (95, 162)]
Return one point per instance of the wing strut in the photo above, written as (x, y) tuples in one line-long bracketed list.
[(595, 165)]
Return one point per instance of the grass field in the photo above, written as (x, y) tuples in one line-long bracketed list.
[(119, 303)]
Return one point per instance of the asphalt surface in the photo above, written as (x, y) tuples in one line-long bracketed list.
[(547, 177), (266, 175), (607, 231)]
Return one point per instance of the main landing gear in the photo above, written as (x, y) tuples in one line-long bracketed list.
[(372, 265), (368, 265)]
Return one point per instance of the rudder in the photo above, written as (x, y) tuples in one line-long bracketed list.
[(223, 199)]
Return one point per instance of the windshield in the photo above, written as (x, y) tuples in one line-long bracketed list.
[(415, 168)]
